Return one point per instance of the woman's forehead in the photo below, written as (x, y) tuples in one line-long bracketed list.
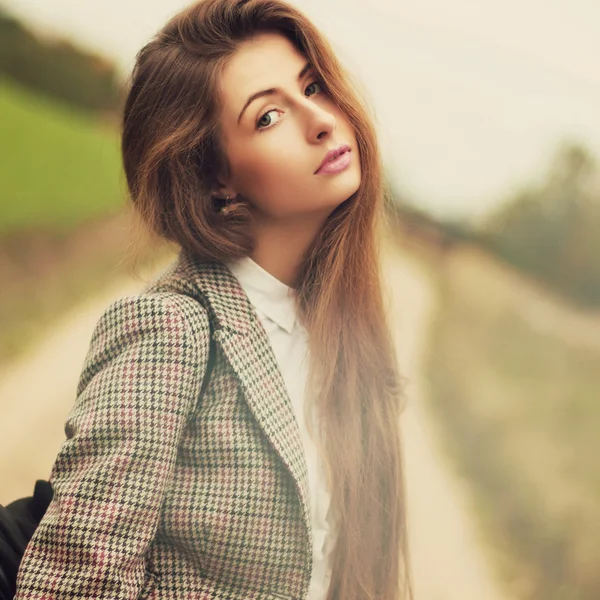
[(268, 60)]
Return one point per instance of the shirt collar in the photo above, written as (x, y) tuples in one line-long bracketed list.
[(273, 297)]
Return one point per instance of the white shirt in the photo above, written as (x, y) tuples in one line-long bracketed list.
[(274, 303)]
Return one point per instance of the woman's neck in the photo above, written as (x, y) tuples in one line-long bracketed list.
[(281, 247)]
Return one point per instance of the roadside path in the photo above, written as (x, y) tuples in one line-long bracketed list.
[(448, 561)]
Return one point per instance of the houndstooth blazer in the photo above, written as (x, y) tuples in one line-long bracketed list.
[(172, 483)]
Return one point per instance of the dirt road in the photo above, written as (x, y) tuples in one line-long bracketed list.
[(448, 560), (448, 564)]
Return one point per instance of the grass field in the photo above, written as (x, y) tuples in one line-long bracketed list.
[(63, 228), (58, 168), (518, 409)]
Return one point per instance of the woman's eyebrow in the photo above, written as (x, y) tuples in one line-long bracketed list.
[(271, 91)]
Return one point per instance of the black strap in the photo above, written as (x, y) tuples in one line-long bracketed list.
[(18, 521), (209, 367)]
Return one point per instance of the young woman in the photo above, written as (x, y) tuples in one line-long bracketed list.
[(236, 430)]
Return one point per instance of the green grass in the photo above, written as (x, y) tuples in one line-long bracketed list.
[(58, 168), (519, 410), (61, 186)]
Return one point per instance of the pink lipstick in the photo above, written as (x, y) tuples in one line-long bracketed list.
[(336, 160)]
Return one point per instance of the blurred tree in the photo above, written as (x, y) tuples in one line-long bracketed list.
[(57, 68), (551, 231)]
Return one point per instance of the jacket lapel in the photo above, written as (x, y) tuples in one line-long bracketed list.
[(245, 343)]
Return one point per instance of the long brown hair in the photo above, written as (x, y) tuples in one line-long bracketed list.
[(171, 152)]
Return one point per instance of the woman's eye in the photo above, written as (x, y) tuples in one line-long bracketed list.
[(314, 83), (262, 119)]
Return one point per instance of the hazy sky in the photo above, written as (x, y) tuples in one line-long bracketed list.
[(471, 96)]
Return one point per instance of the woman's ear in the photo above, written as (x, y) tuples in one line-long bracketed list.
[(221, 192), (221, 189)]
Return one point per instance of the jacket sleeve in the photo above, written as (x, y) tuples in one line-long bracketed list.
[(140, 381)]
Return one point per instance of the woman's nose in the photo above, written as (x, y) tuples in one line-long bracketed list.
[(321, 121)]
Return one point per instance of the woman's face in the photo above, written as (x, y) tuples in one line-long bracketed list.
[(281, 138)]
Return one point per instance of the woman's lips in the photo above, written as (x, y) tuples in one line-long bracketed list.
[(337, 165)]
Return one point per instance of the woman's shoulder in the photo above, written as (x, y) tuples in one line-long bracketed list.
[(158, 326), (164, 313), (155, 309), (206, 296), (173, 295)]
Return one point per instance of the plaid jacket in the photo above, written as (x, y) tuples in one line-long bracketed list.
[(166, 490)]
